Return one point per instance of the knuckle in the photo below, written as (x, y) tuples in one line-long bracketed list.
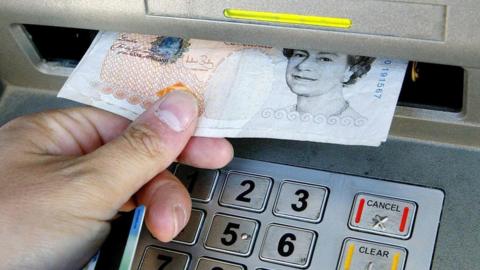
[(17, 123), (39, 122), (144, 140), (24, 130)]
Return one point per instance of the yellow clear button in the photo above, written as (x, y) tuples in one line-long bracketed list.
[(361, 254)]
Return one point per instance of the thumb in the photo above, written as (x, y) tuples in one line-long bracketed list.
[(148, 146)]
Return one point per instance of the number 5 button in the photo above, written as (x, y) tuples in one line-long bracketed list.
[(232, 235), (300, 201), (287, 245), (246, 191)]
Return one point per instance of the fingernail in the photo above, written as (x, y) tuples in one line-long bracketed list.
[(177, 110), (179, 218)]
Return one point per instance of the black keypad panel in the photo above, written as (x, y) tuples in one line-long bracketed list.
[(257, 215)]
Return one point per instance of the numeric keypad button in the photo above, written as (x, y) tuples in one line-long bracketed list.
[(300, 201), (232, 235), (246, 191), (288, 246), (191, 231), (211, 264), (163, 259), (200, 183)]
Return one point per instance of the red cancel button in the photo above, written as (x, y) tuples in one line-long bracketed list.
[(383, 215)]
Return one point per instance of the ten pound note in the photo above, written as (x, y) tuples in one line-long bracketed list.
[(245, 90)]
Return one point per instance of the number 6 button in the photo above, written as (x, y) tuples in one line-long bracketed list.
[(300, 201), (232, 235), (287, 245), (246, 191)]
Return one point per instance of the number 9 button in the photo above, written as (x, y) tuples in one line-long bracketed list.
[(287, 245), (246, 191), (300, 201), (232, 235)]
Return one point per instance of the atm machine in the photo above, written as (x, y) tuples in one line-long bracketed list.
[(410, 204)]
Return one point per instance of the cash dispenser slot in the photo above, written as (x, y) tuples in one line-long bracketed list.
[(59, 45), (433, 86), (426, 85)]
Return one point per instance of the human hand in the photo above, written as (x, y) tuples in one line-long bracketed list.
[(65, 174)]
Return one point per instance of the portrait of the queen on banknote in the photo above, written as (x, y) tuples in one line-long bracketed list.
[(318, 79)]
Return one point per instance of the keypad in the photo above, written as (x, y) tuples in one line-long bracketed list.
[(200, 183), (263, 216), (159, 258), (246, 191), (359, 254), (232, 235), (190, 233), (300, 201), (288, 245), (211, 264), (382, 215)]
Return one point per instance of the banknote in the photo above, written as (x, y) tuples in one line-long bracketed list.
[(245, 90)]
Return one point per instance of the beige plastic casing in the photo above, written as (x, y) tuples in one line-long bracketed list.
[(436, 31), (426, 147)]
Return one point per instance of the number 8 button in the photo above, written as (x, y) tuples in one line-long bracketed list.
[(246, 191), (300, 201), (287, 245)]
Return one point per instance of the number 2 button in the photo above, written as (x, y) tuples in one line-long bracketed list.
[(300, 201), (287, 245), (246, 191), (232, 235)]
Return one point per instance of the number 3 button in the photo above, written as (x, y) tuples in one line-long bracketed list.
[(232, 235), (300, 201), (287, 245), (246, 191)]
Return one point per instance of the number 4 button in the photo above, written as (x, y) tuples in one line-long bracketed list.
[(287, 245), (300, 201), (246, 191)]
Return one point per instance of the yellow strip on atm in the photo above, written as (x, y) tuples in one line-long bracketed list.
[(287, 18)]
